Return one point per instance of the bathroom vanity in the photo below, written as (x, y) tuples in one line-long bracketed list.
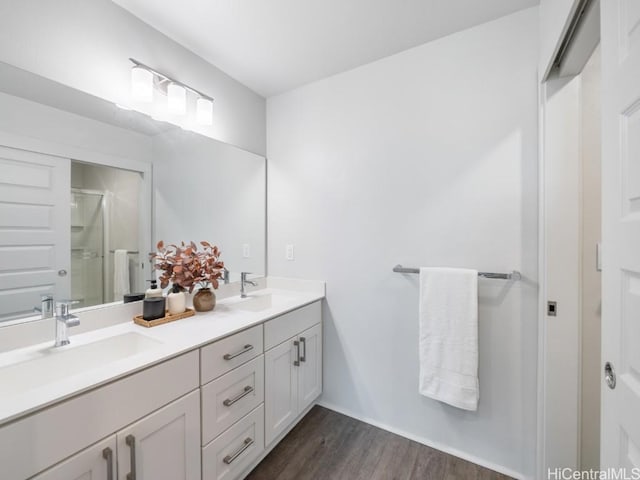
[(203, 398)]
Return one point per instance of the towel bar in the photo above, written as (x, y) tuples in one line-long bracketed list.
[(514, 275)]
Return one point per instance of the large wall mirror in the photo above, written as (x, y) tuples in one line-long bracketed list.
[(88, 188)]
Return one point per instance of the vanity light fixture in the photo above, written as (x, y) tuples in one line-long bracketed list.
[(204, 111), (141, 84), (144, 79), (176, 99)]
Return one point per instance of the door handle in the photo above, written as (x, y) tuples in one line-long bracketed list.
[(107, 454), (296, 362), (303, 341), (130, 440), (610, 375)]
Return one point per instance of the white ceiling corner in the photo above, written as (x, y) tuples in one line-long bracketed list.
[(277, 45)]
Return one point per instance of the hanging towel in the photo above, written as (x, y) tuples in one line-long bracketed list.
[(449, 336), (120, 274)]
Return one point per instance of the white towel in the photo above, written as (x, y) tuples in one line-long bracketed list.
[(449, 336), (120, 274)]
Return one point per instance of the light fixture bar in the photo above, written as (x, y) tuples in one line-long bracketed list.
[(165, 77)]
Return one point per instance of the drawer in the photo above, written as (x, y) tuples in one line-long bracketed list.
[(233, 451), (291, 324), (226, 354), (230, 397)]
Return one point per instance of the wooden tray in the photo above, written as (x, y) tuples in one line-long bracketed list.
[(161, 321)]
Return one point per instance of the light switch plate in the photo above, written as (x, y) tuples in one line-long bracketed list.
[(290, 253)]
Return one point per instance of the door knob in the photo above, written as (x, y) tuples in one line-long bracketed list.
[(62, 273), (610, 375)]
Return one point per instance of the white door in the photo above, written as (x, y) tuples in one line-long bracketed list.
[(620, 432), (164, 445), (310, 371), (95, 463), (34, 230), (281, 388)]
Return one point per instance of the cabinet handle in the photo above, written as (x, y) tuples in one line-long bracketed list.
[(246, 444), (296, 362), (107, 454), (245, 349), (130, 440), (303, 358), (230, 401)]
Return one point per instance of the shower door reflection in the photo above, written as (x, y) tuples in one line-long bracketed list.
[(88, 247)]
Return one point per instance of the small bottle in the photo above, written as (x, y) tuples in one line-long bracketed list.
[(153, 291), (176, 301)]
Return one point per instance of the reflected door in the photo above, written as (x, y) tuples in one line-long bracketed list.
[(34, 230)]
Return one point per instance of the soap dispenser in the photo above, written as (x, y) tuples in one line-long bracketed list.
[(153, 291)]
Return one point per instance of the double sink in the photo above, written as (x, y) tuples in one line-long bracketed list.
[(26, 369)]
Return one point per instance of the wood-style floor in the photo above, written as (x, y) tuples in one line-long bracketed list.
[(328, 445)]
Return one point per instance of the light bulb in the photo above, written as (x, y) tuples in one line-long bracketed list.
[(204, 111), (176, 99), (141, 84)]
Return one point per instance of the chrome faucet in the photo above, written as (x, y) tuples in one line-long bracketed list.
[(64, 320), (225, 275), (46, 306), (243, 284)]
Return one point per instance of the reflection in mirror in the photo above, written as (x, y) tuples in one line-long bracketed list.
[(105, 256), (76, 196)]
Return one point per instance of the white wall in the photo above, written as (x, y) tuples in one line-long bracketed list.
[(86, 45), (428, 157), (554, 18)]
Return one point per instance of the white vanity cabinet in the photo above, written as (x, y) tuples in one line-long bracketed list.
[(293, 367), (209, 413), (96, 463), (165, 444)]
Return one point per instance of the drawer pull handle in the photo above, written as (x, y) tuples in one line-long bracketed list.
[(245, 349), (130, 440), (107, 454), (246, 444), (230, 401), (303, 358), (296, 362)]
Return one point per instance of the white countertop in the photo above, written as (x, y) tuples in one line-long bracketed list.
[(172, 339)]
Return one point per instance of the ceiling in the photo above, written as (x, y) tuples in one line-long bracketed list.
[(276, 45)]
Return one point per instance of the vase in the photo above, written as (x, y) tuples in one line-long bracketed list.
[(204, 300), (176, 303)]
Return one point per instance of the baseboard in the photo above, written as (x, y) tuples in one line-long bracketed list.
[(428, 443)]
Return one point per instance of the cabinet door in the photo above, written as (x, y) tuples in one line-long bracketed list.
[(281, 388), (310, 371), (94, 463), (163, 445)]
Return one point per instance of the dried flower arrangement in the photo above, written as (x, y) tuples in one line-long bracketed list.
[(187, 267)]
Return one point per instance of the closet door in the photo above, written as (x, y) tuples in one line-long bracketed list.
[(620, 432), (94, 463)]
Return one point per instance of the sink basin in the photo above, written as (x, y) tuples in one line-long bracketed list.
[(257, 303), (53, 364)]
